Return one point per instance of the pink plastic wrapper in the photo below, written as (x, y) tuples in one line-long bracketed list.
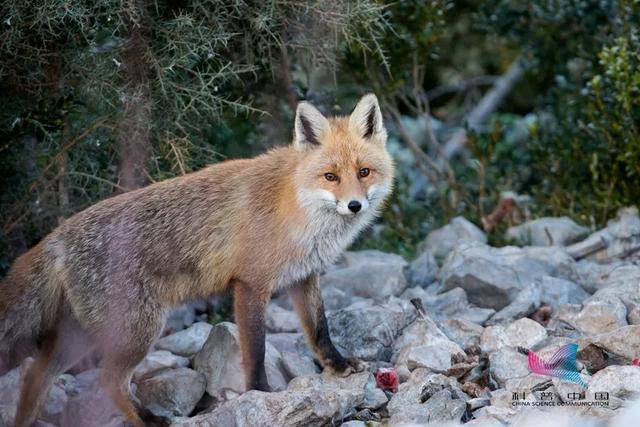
[(387, 379), (636, 362)]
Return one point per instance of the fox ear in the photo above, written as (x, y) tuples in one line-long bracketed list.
[(366, 119), (309, 126)]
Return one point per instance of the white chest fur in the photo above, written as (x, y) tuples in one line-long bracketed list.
[(321, 242)]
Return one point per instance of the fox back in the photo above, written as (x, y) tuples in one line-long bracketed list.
[(271, 221)]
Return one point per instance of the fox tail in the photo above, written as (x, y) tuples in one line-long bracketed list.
[(28, 303)]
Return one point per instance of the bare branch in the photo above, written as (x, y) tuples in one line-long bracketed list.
[(461, 86), (427, 166), (487, 105)]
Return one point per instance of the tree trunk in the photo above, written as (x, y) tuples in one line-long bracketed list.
[(133, 132)]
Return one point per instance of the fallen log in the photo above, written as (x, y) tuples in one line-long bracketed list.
[(478, 116)]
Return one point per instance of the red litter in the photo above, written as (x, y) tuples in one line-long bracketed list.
[(636, 362), (387, 379)]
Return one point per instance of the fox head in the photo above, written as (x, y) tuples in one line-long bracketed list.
[(346, 168)]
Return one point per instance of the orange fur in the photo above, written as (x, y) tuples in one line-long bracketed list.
[(252, 226)]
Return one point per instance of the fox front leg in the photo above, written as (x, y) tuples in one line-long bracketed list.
[(307, 301), (249, 306)]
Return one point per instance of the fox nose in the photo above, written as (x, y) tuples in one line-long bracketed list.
[(354, 206)]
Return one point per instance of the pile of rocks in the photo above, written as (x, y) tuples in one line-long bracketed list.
[(453, 323)]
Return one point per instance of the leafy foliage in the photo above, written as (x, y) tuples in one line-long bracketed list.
[(584, 146), (193, 77)]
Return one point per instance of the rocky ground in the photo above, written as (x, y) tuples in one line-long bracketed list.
[(450, 322)]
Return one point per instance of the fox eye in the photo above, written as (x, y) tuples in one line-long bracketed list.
[(364, 172), (330, 176)]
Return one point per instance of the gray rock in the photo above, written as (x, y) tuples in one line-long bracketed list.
[(545, 290), (493, 277), (624, 341), (90, 407), (443, 240), (220, 361), (619, 239), (423, 270), (68, 383), (503, 415), (277, 319), (180, 318), (625, 229), (313, 400), (555, 260), (484, 421), (622, 382), (424, 345), (463, 332), (403, 373), (506, 364), (454, 304), (10, 384), (334, 298), (410, 392), (156, 361), (623, 284), (521, 333), (526, 302), (186, 342), (555, 292), (450, 304), (503, 397), (440, 408), (593, 276), (627, 416), (290, 342), (523, 383), (9, 395), (477, 403), (368, 274), (83, 382), (368, 330), (374, 397), (487, 279), (55, 403), (408, 405), (598, 315), (548, 231), (298, 365), (565, 388), (172, 392), (434, 358), (634, 316), (557, 417)]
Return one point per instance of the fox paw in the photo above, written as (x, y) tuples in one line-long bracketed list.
[(345, 367)]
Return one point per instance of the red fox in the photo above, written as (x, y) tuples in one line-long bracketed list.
[(103, 280)]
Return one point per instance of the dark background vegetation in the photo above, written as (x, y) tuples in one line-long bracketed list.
[(100, 97)]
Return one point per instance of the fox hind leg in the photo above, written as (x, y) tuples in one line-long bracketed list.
[(115, 378), (35, 384), (123, 348), (61, 349)]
